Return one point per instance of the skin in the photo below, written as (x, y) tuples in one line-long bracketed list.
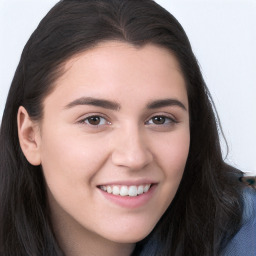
[(126, 145)]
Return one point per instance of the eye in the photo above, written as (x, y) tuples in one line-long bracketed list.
[(161, 120), (94, 121)]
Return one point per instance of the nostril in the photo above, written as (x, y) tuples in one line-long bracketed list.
[(132, 160)]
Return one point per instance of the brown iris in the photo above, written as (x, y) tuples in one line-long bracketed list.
[(94, 120), (158, 120)]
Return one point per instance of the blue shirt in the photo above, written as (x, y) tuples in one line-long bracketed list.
[(244, 242)]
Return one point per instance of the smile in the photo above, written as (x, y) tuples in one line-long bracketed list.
[(131, 191), (129, 195)]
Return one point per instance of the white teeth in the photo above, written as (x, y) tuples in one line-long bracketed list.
[(133, 191), (146, 188), (126, 190), (109, 189), (140, 190), (115, 190), (104, 188)]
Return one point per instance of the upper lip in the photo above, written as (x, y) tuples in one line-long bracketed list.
[(129, 182)]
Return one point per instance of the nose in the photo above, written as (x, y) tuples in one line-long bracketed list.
[(130, 150)]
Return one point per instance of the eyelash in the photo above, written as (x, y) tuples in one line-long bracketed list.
[(83, 121), (170, 121)]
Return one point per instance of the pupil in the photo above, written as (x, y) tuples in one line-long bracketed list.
[(95, 120), (159, 120)]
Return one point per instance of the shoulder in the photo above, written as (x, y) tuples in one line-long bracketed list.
[(244, 242)]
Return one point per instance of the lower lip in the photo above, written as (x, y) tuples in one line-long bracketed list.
[(130, 201)]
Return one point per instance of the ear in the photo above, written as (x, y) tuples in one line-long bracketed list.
[(29, 137)]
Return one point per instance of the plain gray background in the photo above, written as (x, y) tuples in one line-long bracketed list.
[(223, 37)]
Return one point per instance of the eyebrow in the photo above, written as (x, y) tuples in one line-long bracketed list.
[(165, 103), (94, 102), (112, 105)]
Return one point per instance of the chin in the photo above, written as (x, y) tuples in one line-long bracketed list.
[(131, 236)]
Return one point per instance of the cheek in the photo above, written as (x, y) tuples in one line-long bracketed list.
[(173, 152), (172, 158), (70, 158)]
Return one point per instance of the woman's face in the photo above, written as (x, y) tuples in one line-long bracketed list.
[(114, 140)]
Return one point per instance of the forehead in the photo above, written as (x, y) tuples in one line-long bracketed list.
[(115, 69), (149, 56)]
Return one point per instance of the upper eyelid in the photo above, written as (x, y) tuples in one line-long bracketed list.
[(167, 115), (82, 121), (86, 116)]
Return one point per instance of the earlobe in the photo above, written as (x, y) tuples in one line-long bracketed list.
[(29, 137)]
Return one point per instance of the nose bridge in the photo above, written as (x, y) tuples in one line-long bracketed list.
[(130, 148)]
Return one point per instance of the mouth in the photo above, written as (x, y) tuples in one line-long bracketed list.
[(126, 191), (129, 195)]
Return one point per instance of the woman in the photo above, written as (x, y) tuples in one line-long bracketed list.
[(109, 142)]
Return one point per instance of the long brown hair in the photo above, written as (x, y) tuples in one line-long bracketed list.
[(206, 210)]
